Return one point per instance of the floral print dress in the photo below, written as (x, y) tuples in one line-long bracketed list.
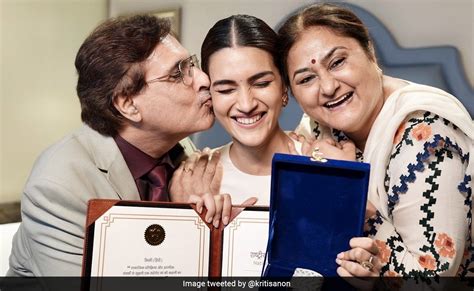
[(429, 203)]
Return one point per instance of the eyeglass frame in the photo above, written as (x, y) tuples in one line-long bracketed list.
[(193, 61)]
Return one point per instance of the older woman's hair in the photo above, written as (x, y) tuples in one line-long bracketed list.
[(239, 30), (340, 20), (110, 64)]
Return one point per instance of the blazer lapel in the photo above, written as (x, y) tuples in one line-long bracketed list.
[(109, 160), (121, 179)]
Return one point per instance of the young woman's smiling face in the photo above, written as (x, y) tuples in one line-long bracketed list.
[(247, 93), (335, 81)]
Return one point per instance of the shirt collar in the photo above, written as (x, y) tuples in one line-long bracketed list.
[(138, 162)]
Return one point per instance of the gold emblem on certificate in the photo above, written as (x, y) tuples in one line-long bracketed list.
[(155, 234)]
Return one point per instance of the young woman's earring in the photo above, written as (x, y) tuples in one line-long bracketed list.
[(284, 99)]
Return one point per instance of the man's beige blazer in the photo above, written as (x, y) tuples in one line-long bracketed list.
[(82, 166)]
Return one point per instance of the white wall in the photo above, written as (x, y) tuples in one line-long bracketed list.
[(422, 23), (39, 40), (414, 23)]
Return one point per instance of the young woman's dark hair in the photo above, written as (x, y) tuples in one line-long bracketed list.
[(239, 30), (340, 20), (109, 64)]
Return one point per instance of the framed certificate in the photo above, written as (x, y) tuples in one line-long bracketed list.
[(141, 239), (244, 244)]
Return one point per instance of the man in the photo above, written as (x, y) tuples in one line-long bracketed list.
[(140, 93)]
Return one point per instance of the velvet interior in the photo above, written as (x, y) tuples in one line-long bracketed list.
[(315, 209)]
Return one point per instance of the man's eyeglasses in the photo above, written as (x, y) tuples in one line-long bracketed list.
[(185, 72)]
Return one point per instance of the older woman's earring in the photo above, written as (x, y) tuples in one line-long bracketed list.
[(284, 99)]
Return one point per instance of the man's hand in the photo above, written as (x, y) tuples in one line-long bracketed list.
[(201, 173), (198, 181)]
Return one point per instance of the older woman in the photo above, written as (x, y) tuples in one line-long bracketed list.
[(417, 138)]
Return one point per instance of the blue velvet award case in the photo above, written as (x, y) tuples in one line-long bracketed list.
[(315, 209)]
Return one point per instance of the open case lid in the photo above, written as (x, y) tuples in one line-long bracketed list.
[(315, 209)]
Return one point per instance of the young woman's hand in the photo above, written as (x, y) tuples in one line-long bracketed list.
[(219, 207)]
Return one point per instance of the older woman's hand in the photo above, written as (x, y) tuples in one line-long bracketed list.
[(360, 263), (326, 148)]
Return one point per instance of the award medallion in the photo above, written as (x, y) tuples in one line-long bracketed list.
[(155, 234)]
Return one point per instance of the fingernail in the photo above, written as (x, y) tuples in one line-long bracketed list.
[(225, 220), (340, 255), (338, 261), (209, 219), (199, 209), (216, 223)]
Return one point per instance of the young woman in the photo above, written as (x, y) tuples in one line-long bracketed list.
[(239, 55)]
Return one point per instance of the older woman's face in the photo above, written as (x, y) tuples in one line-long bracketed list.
[(247, 92), (334, 80)]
